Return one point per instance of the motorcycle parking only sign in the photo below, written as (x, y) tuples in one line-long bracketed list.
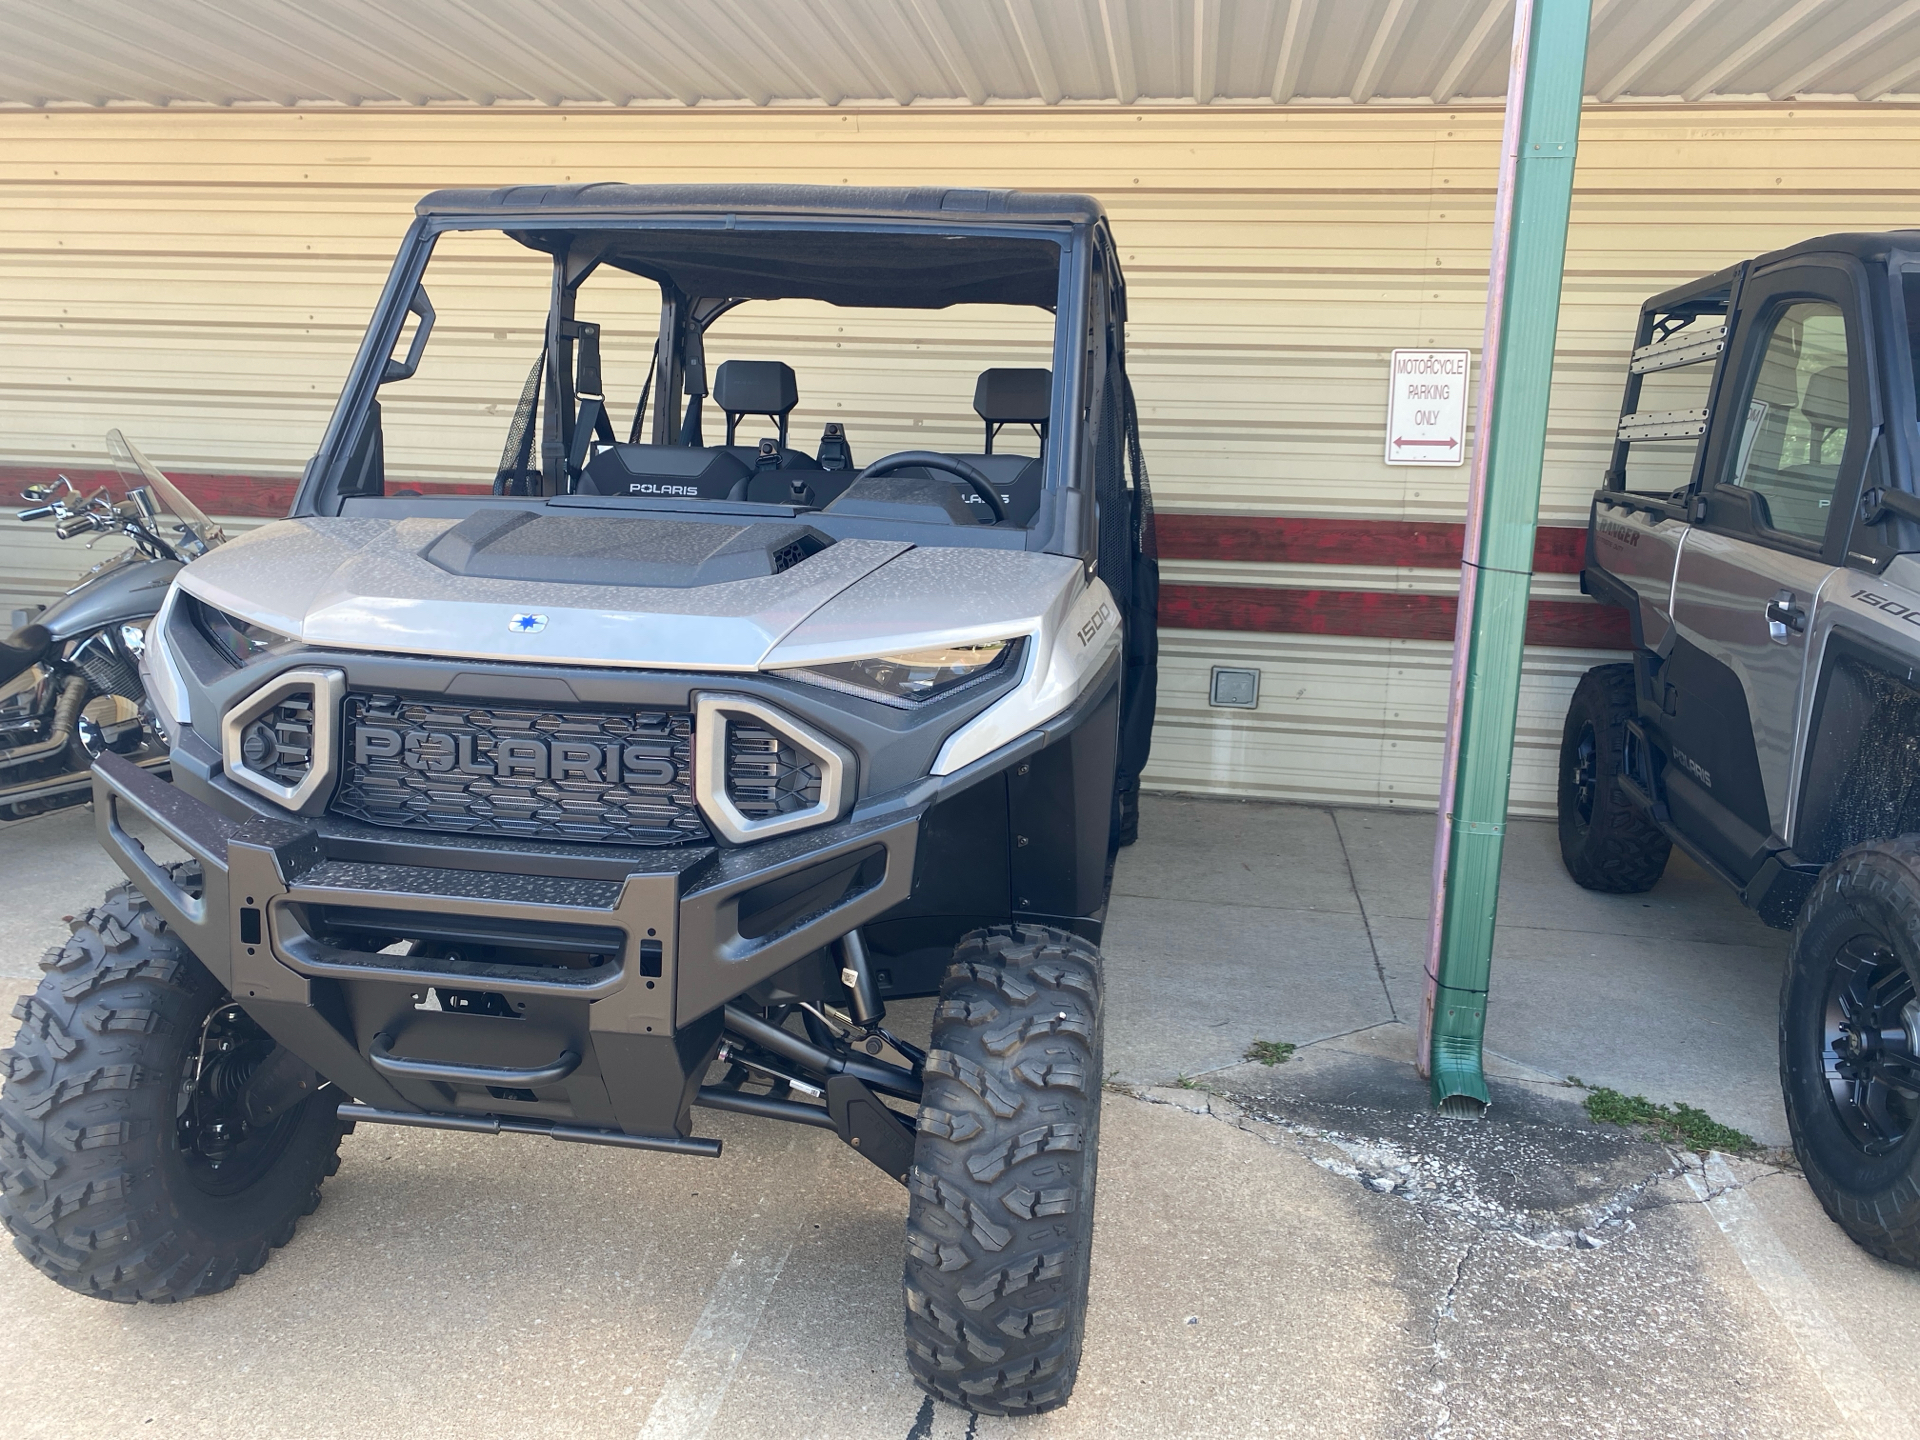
[(1427, 407)]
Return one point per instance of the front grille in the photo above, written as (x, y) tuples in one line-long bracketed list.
[(279, 745), (767, 774), (619, 777)]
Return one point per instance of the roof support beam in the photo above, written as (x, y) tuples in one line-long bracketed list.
[(1026, 25), (1654, 50), (952, 53), (1386, 35), (1845, 51), (1206, 49), (1293, 49), (1448, 84), (1760, 44), (1118, 26)]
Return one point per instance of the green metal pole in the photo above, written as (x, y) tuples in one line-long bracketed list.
[(1523, 314)]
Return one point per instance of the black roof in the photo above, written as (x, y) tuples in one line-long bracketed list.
[(613, 198), (1865, 245), (916, 267)]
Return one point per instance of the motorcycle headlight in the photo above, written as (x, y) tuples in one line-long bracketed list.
[(237, 639), (908, 677)]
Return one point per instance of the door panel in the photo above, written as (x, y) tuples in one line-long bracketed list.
[(1640, 549), (1788, 440), (1721, 596)]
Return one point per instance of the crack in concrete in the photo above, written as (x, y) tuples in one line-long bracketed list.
[(1437, 1386), (1353, 884)]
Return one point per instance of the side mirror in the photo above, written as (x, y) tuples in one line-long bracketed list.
[(37, 494), (403, 370)]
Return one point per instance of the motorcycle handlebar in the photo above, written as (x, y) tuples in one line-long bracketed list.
[(38, 512), (77, 525)]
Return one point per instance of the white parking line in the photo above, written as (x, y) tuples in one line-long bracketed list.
[(697, 1380), (1853, 1382)]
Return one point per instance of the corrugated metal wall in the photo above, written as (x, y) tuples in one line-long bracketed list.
[(200, 279)]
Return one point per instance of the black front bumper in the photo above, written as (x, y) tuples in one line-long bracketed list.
[(616, 1040)]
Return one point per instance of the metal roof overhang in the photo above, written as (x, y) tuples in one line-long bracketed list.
[(616, 53)]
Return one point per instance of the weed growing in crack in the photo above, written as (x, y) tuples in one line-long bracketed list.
[(1678, 1124), (1270, 1052), (1187, 1082)]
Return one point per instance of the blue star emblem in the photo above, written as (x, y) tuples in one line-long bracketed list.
[(527, 624)]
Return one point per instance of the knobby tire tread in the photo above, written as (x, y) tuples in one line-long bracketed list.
[(1000, 1209), (87, 1112), (1622, 852)]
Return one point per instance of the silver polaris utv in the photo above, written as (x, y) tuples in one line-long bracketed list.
[(566, 793)]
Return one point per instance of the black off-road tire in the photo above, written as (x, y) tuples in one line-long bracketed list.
[(1859, 935), (1000, 1209), (1606, 843), (95, 1184)]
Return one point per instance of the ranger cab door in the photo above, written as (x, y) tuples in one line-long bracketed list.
[(1787, 442)]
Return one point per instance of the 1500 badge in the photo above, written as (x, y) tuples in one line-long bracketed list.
[(1889, 607), (1099, 621)]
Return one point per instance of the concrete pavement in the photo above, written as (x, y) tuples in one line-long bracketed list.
[(1296, 1250)]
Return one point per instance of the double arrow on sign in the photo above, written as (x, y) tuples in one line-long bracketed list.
[(1401, 444)]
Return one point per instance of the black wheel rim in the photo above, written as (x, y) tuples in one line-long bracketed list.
[(1583, 774), (224, 1153), (1870, 1045)]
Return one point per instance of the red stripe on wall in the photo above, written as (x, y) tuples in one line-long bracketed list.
[(1377, 615), (1557, 549), (243, 495), (1266, 609)]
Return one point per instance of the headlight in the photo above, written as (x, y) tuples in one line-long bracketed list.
[(906, 677), (239, 640)]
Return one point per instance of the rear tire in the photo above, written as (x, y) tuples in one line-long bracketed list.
[(1850, 1045), (112, 1120), (1000, 1209), (1606, 843)]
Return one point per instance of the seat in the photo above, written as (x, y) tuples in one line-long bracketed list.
[(23, 649), (1005, 396), (684, 471), (760, 387)]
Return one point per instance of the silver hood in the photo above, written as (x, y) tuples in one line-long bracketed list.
[(361, 584)]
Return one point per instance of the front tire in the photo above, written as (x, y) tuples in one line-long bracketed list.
[(1605, 842), (1000, 1209), (126, 1172), (1850, 1045)]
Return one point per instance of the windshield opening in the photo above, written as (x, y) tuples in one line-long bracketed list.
[(734, 393)]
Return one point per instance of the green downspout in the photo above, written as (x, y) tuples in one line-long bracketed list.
[(1523, 313)]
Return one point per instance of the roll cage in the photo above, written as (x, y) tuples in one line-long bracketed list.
[(704, 247)]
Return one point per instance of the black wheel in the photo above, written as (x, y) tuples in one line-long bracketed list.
[(1605, 842), (1000, 1208), (1850, 1045), (128, 1169)]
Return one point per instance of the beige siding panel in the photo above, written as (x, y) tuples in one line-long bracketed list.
[(200, 279)]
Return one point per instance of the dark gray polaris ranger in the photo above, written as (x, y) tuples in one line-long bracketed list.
[(1760, 525), (639, 770)]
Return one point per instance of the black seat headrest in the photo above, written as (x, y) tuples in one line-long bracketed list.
[(1016, 397), (1825, 400), (755, 387)]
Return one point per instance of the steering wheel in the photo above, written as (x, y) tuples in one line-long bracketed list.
[(934, 460)]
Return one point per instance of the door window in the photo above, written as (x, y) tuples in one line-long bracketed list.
[(1796, 422)]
